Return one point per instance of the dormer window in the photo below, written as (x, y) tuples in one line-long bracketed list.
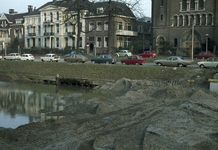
[(100, 10)]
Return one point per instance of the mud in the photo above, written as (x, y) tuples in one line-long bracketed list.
[(146, 115)]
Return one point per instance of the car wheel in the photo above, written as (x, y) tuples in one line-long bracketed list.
[(137, 64), (196, 57), (117, 55), (150, 57), (32, 60), (159, 64), (107, 62), (42, 60), (180, 65), (50, 60), (56, 60), (184, 65), (202, 57), (126, 55), (93, 62), (123, 63), (202, 66)]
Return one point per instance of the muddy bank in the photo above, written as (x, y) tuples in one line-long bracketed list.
[(146, 115)]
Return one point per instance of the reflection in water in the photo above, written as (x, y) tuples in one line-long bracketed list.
[(22, 103)]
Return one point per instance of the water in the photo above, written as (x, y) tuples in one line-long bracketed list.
[(23, 103)]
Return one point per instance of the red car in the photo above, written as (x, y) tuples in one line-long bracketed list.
[(204, 55), (103, 52), (134, 59), (148, 54)]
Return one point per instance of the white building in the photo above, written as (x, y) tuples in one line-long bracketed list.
[(46, 27)]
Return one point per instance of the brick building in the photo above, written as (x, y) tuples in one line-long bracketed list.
[(174, 21)]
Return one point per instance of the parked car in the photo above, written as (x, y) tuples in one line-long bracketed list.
[(12, 56), (27, 57), (102, 52), (149, 54), (81, 52), (76, 58), (134, 59), (108, 59), (204, 55), (173, 61), (209, 63), (50, 57), (123, 53)]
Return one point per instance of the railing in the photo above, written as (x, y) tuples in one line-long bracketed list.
[(48, 33), (71, 33), (31, 34), (126, 33)]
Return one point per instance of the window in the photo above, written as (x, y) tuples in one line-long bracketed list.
[(91, 26), (66, 42), (106, 26), (175, 42), (91, 38), (120, 26), (57, 15), (39, 30), (128, 27), (201, 4), (184, 5), (161, 3), (80, 41), (140, 28), (45, 42), (127, 42), (66, 27), (57, 26), (106, 42), (51, 17), (81, 26), (100, 10), (99, 41), (45, 28), (39, 42), (44, 16), (161, 17), (57, 42), (99, 26), (192, 5), (28, 42)]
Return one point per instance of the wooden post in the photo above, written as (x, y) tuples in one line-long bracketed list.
[(57, 79)]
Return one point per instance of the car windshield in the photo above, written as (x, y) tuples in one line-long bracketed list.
[(138, 57), (81, 56), (169, 58)]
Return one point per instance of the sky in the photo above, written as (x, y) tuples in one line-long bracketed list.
[(22, 5)]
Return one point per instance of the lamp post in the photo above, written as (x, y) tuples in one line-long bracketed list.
[(207, 35), (193, 25)]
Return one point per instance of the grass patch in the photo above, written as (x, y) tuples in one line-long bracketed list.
[(98, 71)]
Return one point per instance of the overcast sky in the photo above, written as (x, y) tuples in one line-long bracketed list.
[(22, 5)]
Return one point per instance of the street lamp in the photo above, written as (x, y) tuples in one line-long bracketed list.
[(193, 25), (207, 35)]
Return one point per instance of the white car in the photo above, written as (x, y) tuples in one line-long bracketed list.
[(211, 62), (50, 57), (0, 57), (27, 57), (123, 53), (12, 56)]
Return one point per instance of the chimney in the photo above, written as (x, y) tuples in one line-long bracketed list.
[(11, 11), (54, 0), (35, 8), (30, 8)]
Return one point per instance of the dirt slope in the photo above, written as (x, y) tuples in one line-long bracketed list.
[(148, 115)]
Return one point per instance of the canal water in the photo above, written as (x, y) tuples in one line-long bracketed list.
[(23, 103)]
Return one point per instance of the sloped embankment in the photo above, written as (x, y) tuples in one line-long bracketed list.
[(147, 115)]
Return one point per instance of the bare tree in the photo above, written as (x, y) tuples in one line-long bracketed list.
[(113, 10)]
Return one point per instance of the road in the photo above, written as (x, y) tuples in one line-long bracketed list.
[(119, 63)]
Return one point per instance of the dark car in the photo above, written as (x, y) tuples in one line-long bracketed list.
[(103, 52), (204, 55), (108, 59), (149, 54), (134, 59)]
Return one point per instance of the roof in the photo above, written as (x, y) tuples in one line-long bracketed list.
[(118, 8), (12, 17)]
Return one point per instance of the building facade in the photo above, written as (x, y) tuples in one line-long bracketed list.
[(11, 27), (123, 27), (46, 27), (174, 21)]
